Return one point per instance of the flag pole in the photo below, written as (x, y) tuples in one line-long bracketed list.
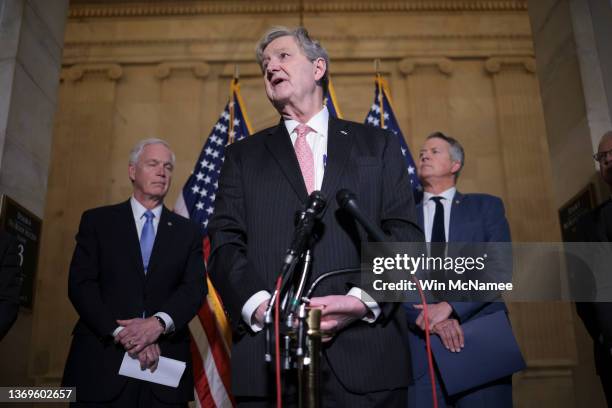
[(233, 86), (301, 13), (380, 91)]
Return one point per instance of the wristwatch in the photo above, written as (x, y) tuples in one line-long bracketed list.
[(162, 322)]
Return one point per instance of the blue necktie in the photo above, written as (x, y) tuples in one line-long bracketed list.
[(147, 238)]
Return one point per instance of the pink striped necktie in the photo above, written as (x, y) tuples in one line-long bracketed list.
[(305, 156)]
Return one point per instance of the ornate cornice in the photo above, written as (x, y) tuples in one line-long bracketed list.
[(326, 38), (495, 64), (83, 9), (199, 69), (77, 71)]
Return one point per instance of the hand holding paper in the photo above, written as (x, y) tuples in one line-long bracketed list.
[(168, 372)]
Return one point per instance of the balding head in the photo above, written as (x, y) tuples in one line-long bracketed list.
[(604, 157)]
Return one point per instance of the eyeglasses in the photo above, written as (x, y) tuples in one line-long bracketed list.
[(600, 156)]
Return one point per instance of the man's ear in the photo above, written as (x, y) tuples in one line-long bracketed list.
[(455, 167), (320, 67), (132, 172)]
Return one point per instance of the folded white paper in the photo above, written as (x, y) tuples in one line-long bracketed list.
[(169, 371)]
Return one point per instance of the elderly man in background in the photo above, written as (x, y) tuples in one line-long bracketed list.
[(136, 279)]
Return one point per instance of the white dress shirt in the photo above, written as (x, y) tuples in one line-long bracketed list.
[(429, 211), (138, 210), (317, 140)]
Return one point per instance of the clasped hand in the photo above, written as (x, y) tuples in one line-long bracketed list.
[(337, 312), (138, 338), (449, 330)]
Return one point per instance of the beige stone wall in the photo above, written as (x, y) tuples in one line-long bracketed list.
[(462, 67)]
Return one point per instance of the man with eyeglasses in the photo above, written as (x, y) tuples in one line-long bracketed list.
[(596, 226)]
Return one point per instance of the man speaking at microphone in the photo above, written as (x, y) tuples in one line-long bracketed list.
[(265, 179)]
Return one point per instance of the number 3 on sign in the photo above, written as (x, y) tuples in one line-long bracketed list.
[(20, 254)]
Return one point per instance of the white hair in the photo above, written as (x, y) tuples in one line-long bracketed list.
[(139, 147)]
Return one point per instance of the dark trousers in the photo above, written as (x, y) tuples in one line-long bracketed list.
[(333, 394), (135, 394)]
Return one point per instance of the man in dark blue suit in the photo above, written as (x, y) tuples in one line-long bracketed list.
[(137, 278), (446, 215)]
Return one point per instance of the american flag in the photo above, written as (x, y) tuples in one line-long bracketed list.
[(331, 102), (210, 329), (381, 115)]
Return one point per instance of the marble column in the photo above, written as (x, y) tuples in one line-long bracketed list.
[(80, 179), (574, 69), (31, 41)]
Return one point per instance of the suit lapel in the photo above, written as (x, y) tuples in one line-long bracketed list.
[(128, 226), (162, 241), (339, 144), (456, 218), (278, 143), (420, 216)]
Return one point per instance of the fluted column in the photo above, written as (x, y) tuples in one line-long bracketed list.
[(79, 179), (543, 329), (427, 87), (525, 157)]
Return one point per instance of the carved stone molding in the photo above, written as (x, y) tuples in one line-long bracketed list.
[(84, 8), (408, 65), (76, 72), (199, 69), (494, 65), (246, 69), (323, 38)]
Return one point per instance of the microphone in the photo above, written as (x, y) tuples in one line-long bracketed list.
[(346, 200), (314, 206)]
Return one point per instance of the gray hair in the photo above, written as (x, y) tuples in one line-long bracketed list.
[(139, 147), (312, 49), (455, 149)]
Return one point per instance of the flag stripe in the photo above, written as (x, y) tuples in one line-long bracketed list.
[(220, 319), (211, 332), (220, 383), (209, 388)]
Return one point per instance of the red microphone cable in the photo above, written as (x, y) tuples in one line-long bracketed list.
[(432, 375), (279, 401)]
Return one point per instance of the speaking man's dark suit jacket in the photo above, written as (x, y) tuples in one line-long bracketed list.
[(260, 190), (596, 226), (107, 282), (9, 282), (474, 218)]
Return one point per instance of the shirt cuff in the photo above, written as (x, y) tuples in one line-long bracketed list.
[(117, 330), (251, 306), (168, 320), (369, 302)]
